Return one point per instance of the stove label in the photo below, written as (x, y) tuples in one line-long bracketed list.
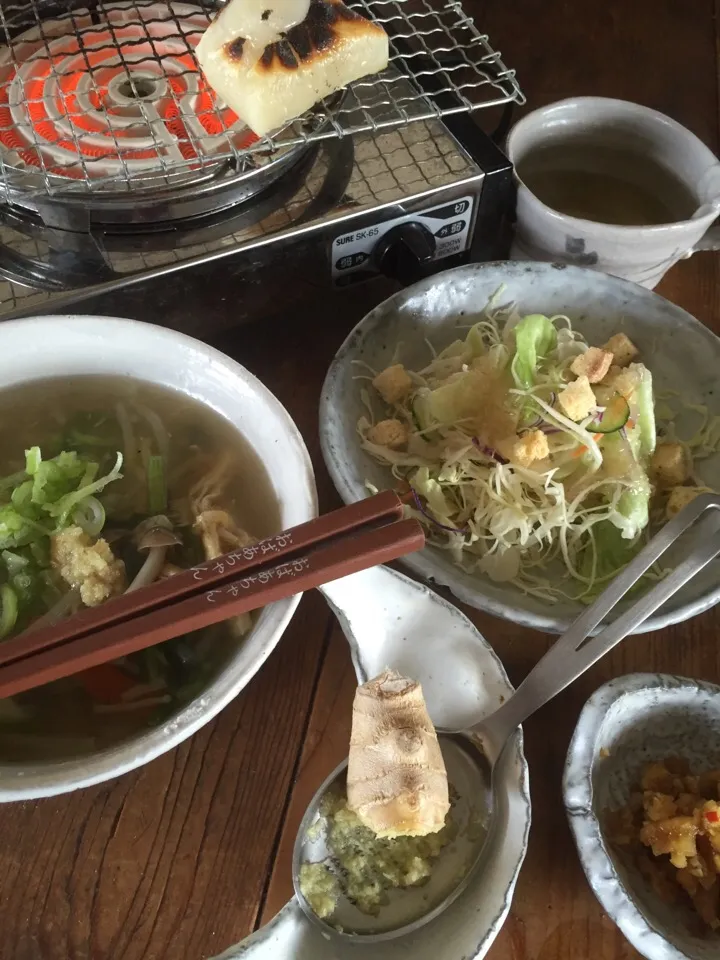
[(449, 224)]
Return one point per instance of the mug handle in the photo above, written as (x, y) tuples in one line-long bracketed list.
[(711, 240)]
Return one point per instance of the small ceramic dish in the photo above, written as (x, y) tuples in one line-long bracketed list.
[(401, 625), (627, 724), (679, 350)]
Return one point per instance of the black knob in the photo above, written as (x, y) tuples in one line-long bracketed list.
[(403, 250)]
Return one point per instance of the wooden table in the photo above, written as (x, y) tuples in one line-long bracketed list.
[(188, 855)]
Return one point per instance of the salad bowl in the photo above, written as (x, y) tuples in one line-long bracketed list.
[(415, 324)]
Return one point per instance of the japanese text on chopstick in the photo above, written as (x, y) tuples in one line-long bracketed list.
[(235, 589), (265, 548)]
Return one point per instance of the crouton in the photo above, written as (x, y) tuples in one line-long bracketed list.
[(670, 465), (681, 496), (533, 446), (623, 349), (389, 433), (89, 567), (577, 399), (393, 384), (624, 382), (593, 364)]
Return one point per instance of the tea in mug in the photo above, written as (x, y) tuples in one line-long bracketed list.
[(605, 185)]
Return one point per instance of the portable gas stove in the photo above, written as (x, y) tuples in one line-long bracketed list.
[(127, 187)]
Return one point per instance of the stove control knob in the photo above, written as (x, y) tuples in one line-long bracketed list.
[(404, 252)]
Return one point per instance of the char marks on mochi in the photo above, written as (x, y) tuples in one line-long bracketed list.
[(305, 41)]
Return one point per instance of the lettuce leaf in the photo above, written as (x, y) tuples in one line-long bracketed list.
[(535, 337), (613, 552), (632, 513)]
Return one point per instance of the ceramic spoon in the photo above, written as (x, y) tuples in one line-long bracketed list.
[(471, 754), (389, 619)]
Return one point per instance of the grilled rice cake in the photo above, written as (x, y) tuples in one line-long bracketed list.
[(271, 60)]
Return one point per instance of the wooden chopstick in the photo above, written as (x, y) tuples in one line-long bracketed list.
[(373, 511), (258, 586)]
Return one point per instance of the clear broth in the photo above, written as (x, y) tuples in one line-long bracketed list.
[(66, 724), (605, 185)]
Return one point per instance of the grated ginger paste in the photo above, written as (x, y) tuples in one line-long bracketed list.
[(369, 866)]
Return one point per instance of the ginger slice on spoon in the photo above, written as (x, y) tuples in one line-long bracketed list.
[(396, 780)]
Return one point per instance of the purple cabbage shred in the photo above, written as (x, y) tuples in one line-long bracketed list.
[(442, 526), (488, 451)]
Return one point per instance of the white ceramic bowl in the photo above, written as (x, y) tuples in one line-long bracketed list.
[(680, 351), (54, 346), (636, 720)]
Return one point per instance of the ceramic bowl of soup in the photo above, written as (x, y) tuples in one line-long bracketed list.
[(129, 452)]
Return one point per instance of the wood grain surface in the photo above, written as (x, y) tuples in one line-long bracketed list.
[(183, 858)]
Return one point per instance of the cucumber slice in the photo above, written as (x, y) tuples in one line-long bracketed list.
[(420, 410), (616, 415)]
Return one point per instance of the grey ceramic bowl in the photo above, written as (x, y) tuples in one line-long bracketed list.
[(679, 350), (637, 720)]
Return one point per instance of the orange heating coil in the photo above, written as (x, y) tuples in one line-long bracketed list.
[(79, 130)]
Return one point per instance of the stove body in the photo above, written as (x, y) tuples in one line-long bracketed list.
[(127, 189)]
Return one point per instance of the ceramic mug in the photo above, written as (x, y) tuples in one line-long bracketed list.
[(639, 253)]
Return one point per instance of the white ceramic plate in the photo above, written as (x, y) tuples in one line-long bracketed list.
[(462, 680), (637, 719), (679, 350)]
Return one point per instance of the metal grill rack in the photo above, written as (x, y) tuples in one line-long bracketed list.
[(440, 64)]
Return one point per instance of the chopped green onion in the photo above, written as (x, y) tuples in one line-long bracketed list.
[(21, 497), (90, 515), (14, 562), (40, 550), (33, 459), (24, 586), (17, 530), (12, 480), (9, 612), (157, 487), (64, 507)]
